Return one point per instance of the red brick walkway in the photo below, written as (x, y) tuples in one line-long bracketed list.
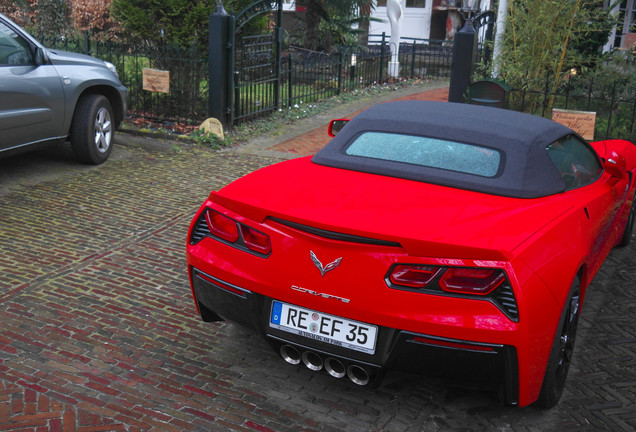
[(98, 330), (26, 410), (312, 141)]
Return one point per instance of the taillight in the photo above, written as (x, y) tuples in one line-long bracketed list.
[(414, 276), (488, 284), (471, 280), (256, 240), (236, 233), (222, 226), (459, 280)]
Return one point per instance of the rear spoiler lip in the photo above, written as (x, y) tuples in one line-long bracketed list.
[(412, 247)]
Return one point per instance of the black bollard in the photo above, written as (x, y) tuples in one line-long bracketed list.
[(464, 59), (220, 50)]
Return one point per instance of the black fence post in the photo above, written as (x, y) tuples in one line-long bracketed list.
[(87, 43), (413, 60), (352, 70), (589, 94), (382, 51), (608, 131), (278, 34), (219, 66), (340, 59), (546, 94), (290, 84), (464, 59)]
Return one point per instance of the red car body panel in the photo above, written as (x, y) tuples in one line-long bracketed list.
[(542, 244), (456, 223)]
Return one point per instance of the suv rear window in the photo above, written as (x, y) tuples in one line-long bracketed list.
[(427, 152)]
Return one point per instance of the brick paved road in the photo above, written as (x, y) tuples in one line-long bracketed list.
[(98, 331)]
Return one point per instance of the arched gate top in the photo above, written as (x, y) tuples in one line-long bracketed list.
[(255, 9), (484, 18)]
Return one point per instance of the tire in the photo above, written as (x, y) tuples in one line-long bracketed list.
[(629, 228), (92, 129), (562, 350)]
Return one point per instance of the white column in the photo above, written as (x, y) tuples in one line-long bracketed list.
[(500, 28), (394, 11)]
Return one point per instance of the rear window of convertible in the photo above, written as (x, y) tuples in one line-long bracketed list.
[(427, 152)]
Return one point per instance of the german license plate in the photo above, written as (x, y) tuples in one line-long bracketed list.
[(323, 327)]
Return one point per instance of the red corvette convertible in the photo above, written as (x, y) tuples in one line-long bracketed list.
[(445, 239)]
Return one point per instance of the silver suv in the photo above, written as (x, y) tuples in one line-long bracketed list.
[(49, 96)]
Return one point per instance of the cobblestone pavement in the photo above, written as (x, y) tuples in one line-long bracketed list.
[(98, 331)]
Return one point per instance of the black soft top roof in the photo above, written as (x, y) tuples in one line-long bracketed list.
[(527, 171)]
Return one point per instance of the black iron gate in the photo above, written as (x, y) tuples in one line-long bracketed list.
[(245, 68), (257, 63)]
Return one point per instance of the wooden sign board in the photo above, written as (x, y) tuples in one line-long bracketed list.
[(155, 80), (581, 122)]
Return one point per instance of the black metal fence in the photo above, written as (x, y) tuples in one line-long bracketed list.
[(187, 100), (306, 76), (614, 103), (311, 76)]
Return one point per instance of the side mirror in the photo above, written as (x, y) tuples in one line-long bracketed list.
[(616, 165), (41, 56), (336, 126)]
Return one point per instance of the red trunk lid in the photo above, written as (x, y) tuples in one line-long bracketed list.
[(427, 220)]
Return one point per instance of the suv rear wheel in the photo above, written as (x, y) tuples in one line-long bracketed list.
[(92, 130)]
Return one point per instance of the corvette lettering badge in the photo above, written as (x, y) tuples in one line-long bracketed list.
[(319, 294), (328, 267)]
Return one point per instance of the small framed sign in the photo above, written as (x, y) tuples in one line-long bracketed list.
[(155, 80), (581, 122)]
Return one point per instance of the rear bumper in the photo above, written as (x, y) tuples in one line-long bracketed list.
[(465, 363)]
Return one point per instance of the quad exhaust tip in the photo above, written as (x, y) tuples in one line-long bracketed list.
[(358, 375), (290, 354), (311, 360), (335, 368)]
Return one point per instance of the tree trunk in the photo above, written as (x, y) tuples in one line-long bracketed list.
[(313, 15)]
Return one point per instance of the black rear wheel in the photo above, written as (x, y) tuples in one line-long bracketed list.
[(629, 228), (562, 350)]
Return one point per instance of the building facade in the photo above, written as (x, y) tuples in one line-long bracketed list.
[(441, 19), (424, 19), (624, 34)]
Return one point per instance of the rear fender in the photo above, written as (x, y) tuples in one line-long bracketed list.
[(554, 260), (538, 314)]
